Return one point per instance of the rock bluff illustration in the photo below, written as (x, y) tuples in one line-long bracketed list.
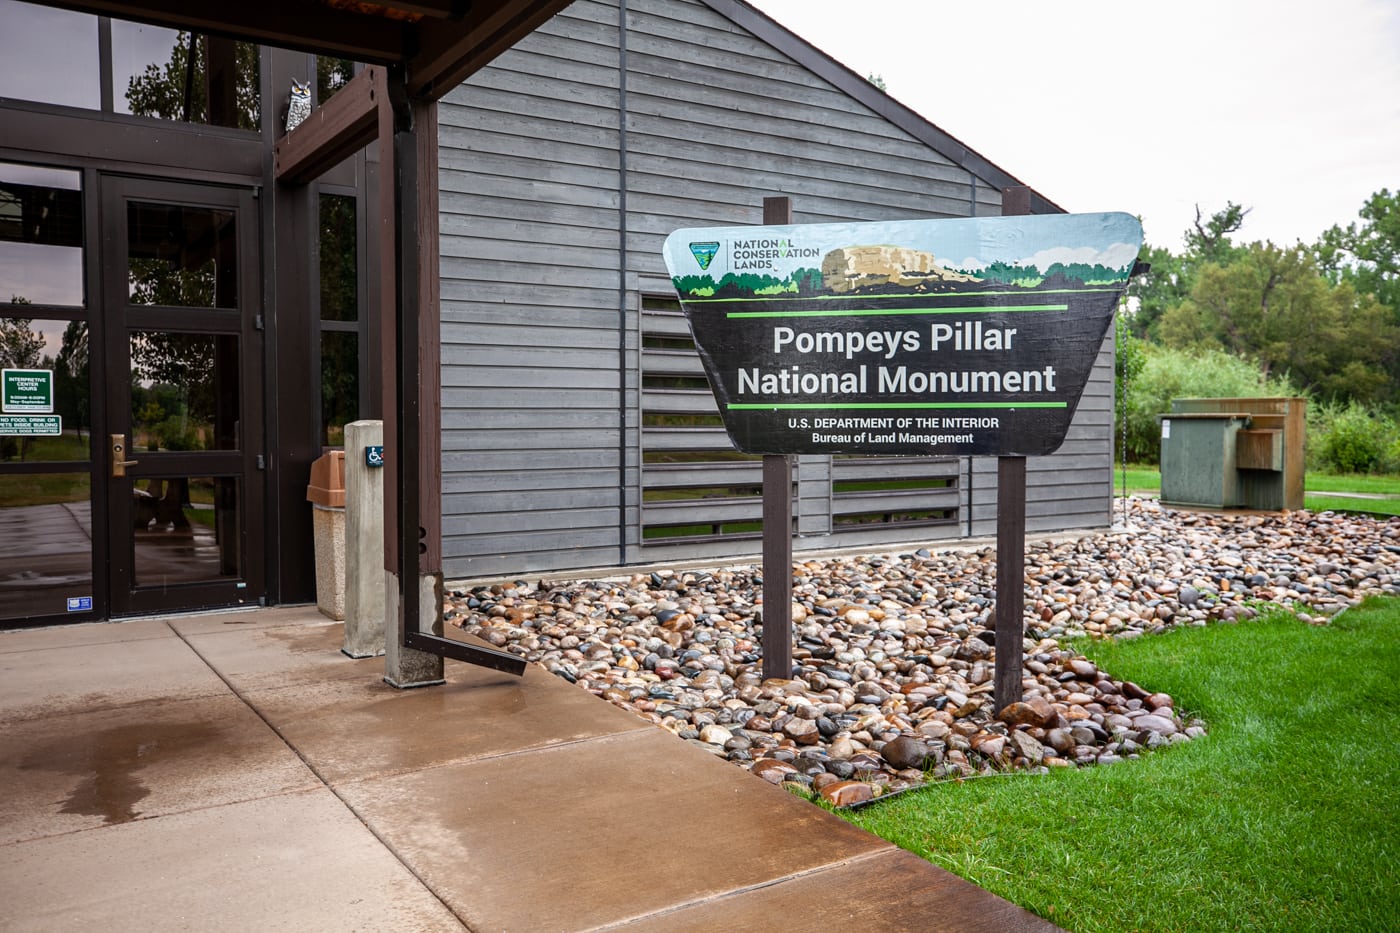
[(854, 267)]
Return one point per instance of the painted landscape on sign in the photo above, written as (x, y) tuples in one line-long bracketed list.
[(1047, 253)]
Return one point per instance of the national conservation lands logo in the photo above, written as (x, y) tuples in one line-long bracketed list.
[(753, 254), (971, 336), (704, 253)]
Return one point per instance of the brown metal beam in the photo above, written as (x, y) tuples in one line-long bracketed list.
[(334, 131), (438, 9), (414, 499), (448, 56)]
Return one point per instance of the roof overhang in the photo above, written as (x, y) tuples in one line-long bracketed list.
[(437, 42)]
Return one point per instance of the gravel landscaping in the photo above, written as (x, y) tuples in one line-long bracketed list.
[(892, 680)]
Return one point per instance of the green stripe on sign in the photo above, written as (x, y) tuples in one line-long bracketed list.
[(869, 312), (890, 406)]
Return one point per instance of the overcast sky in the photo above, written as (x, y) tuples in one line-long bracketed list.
[(1290, 108)]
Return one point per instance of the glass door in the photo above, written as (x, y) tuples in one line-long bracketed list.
[(184, 438)]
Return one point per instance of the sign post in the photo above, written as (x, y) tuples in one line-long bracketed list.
[(777, 528), (1011, 542), (964, 337)]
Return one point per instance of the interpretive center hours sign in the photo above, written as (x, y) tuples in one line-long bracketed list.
[(930, 337), (26, 403)]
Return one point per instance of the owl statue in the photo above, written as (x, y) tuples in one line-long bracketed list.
[(299, 107)]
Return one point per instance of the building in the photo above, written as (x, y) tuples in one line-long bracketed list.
[(221, 321)]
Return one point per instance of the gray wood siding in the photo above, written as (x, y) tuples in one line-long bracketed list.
[(564, 165), (530, 165)]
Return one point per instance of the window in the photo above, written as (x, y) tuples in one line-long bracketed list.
[(41, 236), (49, 56), (52, 56), (694, 484), (340, 314), (184, 76)]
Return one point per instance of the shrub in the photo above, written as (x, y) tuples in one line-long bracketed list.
[(1353, 439), (1167, 374)]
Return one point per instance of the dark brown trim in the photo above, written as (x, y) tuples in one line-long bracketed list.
[(429, 285), (447, 57), (135, 145), (384, 311), (333, 132)]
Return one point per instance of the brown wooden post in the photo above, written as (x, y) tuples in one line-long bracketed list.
[(777, 528), (388, 322), (1011, 540)]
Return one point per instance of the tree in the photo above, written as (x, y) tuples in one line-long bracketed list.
[(71, 376), (1209, 241), (1170, 277), (878, 81), (1368, 255), (1273, 306), (174, 92), (20, 345)]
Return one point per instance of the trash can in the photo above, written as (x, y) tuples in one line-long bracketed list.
[(1231, 452), (1199, 465), (326, 493)]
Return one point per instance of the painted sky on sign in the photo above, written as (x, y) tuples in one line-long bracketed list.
[(1111, 239)]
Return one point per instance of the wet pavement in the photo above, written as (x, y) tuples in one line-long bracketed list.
[(235, 771)]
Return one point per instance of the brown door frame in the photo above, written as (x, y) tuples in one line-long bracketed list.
[(247, 462)]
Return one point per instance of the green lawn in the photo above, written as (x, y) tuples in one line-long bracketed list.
[(1285, 817), (1148, 480)]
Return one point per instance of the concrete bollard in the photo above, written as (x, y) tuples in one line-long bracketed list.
[(364, 535)]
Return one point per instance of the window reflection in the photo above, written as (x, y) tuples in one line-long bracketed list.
[(62, 348), (340, 385), (185, 530), (184, 391), (332, 74), (154, 74), (49, 56), (182, 256), (41, 236), (339, 294), (340, 362), (45, 543)]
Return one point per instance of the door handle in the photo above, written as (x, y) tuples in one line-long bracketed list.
[(119, 461)]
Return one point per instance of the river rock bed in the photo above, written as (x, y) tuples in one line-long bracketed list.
[(892, 665)]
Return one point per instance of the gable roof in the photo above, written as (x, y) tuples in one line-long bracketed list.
[(910, 121)]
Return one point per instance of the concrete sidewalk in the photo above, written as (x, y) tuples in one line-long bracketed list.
[(237, 772)]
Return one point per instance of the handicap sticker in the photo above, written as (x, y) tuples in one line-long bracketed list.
[(374, 455), (79, 603)]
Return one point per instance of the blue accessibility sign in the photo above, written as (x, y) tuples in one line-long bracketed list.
[(374, 455)]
